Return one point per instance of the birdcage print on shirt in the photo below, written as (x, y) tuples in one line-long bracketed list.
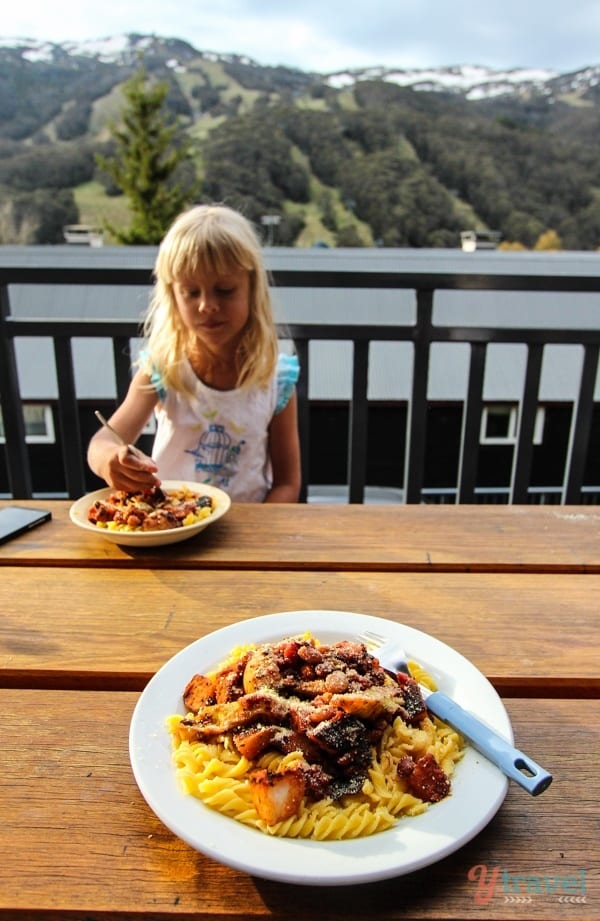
[(216, 454)]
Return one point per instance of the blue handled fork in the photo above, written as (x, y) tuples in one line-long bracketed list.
[(512, 762)]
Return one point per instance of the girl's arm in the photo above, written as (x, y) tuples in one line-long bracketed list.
[(120, 467), (284, 449)]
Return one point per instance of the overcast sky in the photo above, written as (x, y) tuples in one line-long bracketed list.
[(328, 35)]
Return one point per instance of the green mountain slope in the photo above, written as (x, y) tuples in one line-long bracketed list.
[(359, 163)]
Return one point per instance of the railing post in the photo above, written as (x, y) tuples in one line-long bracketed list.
[(301, 346), (69, 419), (416, 422), (357, 423), (523, 456), (581, 424), (19, 471), (471, 425), (122, 360)]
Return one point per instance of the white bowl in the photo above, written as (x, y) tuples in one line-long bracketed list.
[(79, 516)]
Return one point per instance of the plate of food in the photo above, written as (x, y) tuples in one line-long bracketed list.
[(231, 755), (168, 514)]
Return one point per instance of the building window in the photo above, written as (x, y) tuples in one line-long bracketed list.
[(39, 424), (499, 425)]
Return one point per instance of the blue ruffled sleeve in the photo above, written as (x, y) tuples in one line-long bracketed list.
[(288, 372), (155, 378)]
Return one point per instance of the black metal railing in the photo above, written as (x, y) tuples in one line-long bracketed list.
[(421, 332)]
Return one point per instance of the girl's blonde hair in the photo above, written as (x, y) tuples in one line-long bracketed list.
[(211, 239)]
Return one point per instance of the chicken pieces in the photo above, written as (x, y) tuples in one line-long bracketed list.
[(328, 704), (277, 796), (152, 510)]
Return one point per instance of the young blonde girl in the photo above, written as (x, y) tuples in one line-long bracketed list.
[(223, 397)]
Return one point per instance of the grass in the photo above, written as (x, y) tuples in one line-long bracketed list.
[(97, 208)]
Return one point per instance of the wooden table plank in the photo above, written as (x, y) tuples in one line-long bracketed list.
[(77, 840), (530, 634), (335, 537)]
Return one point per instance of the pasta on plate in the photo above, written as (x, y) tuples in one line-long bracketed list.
[(305, 740)]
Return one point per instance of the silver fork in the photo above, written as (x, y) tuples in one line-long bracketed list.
[(118, 438), (512, 762)]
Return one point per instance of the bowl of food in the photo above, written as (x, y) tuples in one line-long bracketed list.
[(168, 514), (201, 790)]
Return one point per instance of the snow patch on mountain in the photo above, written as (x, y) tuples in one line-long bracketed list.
[(470, 80), (111, 49), (474, 81)]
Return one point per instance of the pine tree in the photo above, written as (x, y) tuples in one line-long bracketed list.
[(149, 149)]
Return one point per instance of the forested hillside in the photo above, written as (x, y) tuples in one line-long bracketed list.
[(359, 162)]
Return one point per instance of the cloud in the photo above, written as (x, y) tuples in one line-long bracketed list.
[(327, 36)]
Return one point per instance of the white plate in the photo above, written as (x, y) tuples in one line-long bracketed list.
[(478, 788), (79, 512)]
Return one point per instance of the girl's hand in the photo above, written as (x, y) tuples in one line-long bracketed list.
[(130, 470)]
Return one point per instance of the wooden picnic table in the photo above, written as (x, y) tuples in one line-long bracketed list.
[(85, 624)]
